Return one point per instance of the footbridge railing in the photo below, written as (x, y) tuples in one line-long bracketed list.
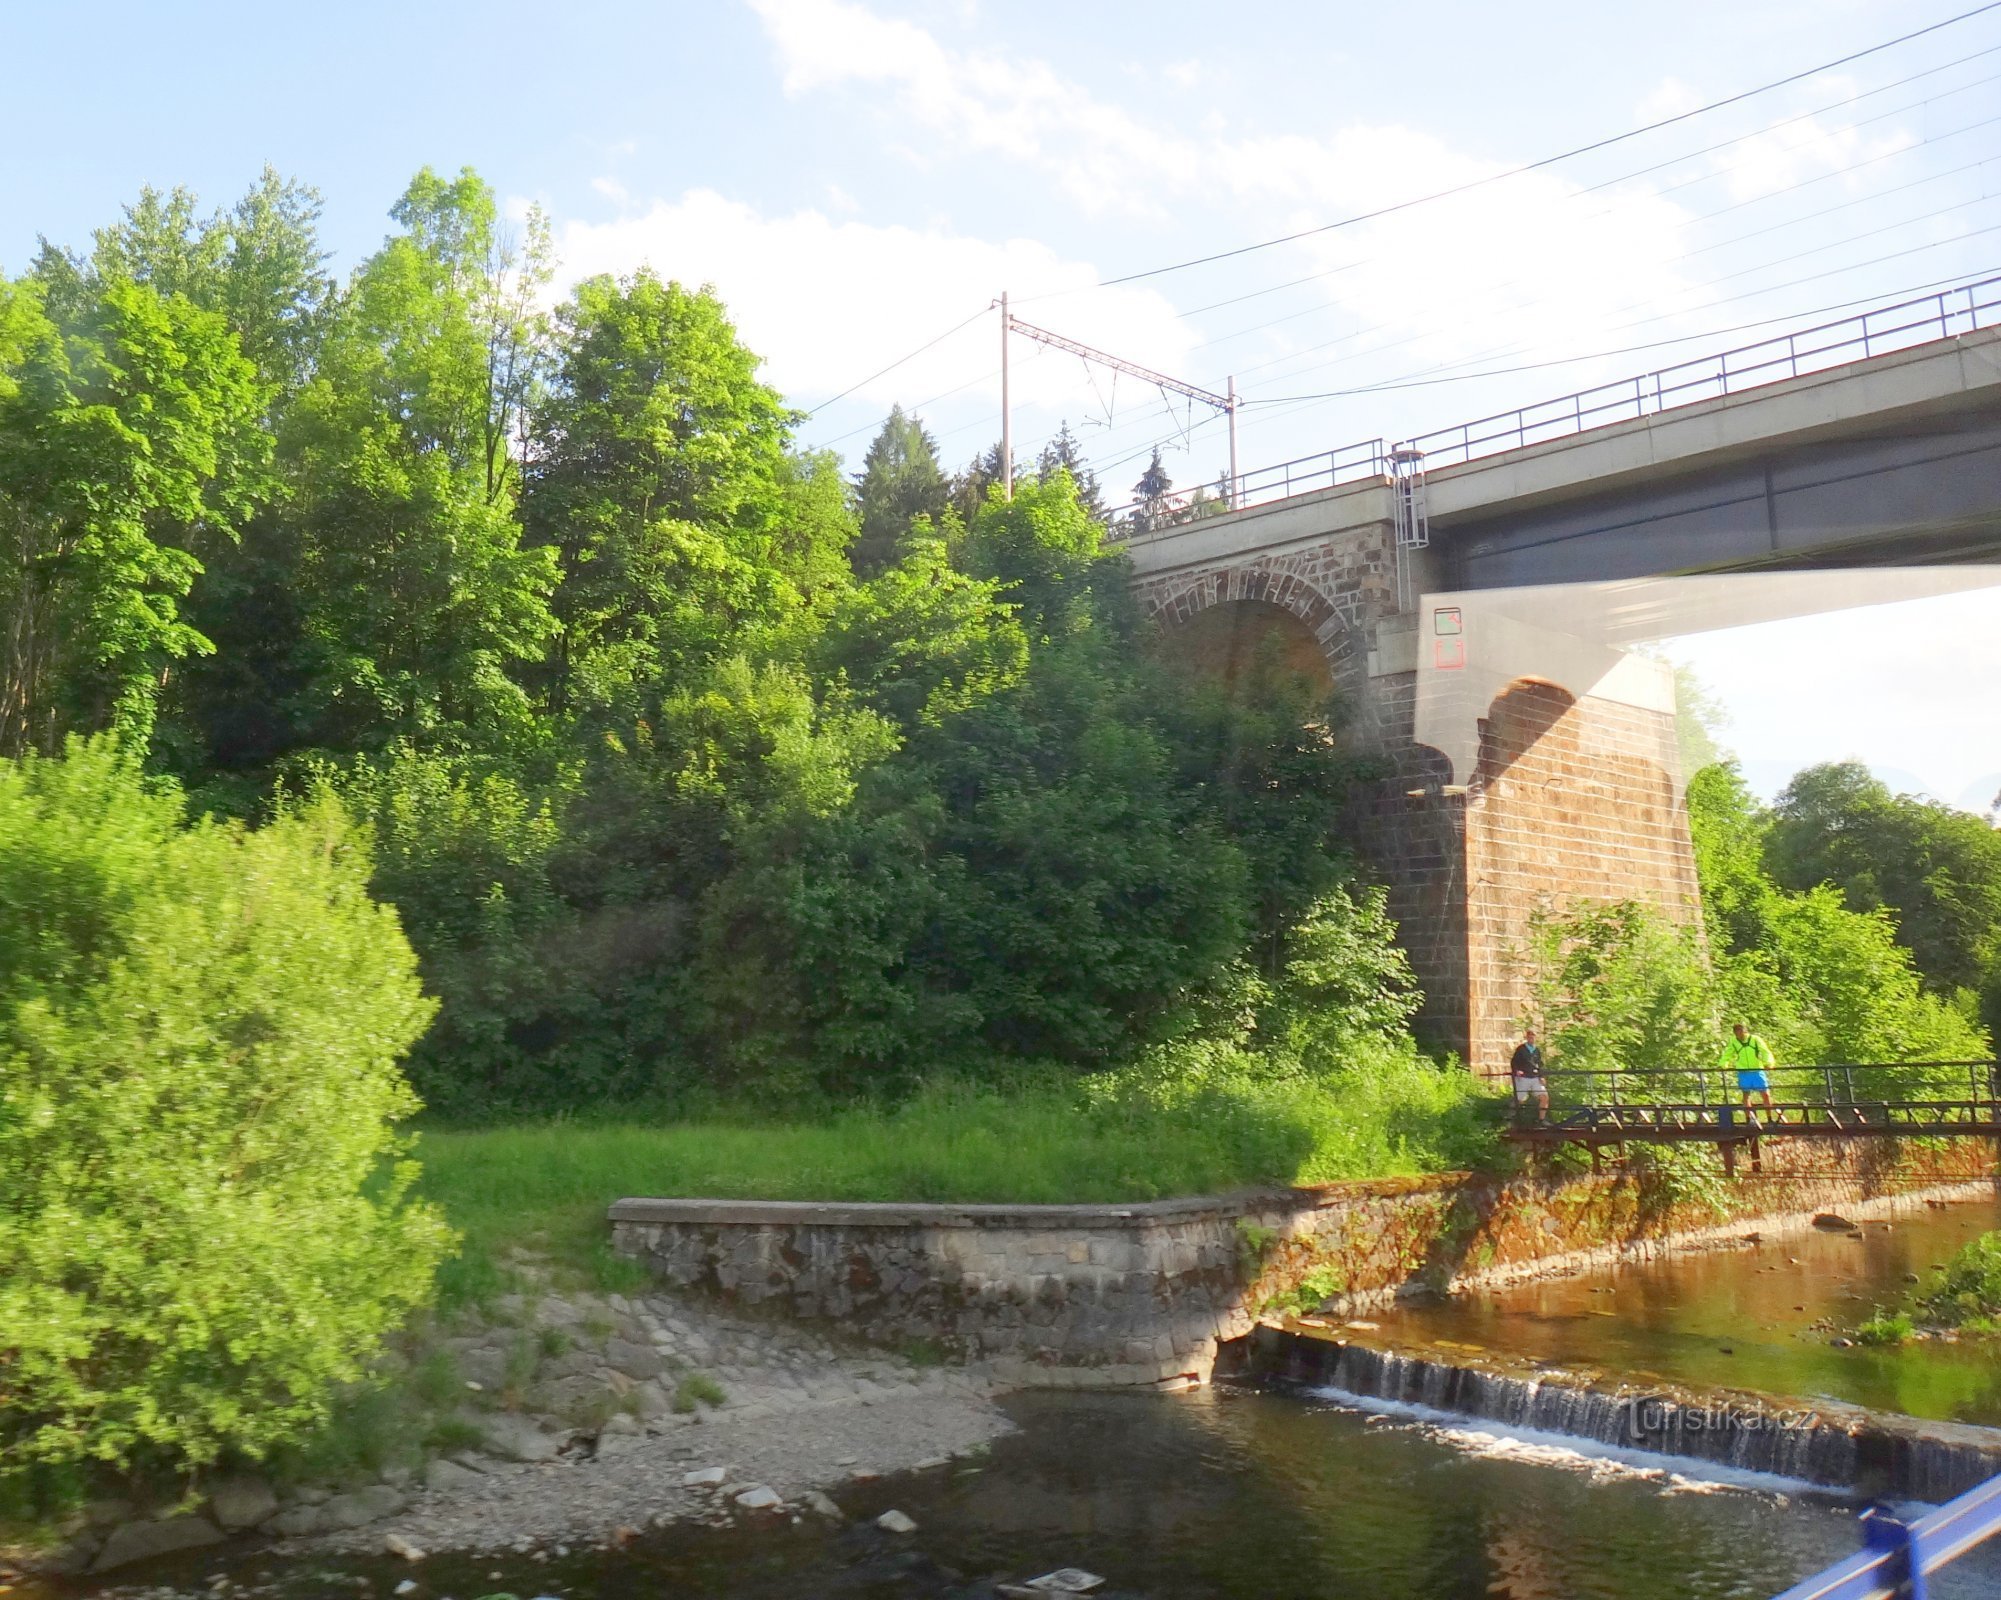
[(1703, 1105), (1902, 325), (1900, 1556)]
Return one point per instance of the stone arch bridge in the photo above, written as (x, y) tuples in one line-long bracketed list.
[(1531, 756)]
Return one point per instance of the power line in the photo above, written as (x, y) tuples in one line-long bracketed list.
[(1675, 160), (1640, 322), (1304, 402), (1550, 161), (913, 355), (1709, 216), (1633, 349)]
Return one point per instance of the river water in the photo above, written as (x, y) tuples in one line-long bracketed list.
[(1760, 1317), (1219, 1495), (1238, 1494)]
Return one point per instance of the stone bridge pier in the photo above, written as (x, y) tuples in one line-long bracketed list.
[(1522, 766)]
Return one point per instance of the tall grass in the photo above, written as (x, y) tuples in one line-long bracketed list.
[(545, 1185)]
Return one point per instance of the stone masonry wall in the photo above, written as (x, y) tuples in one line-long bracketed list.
[(1572, 800), (1125, 1295)]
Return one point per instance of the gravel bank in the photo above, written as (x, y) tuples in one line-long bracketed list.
[(590, 1499)]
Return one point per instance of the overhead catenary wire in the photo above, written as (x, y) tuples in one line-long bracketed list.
[(1564, 361), (1487, 179), (1286, 404), (929, 344), (1791, 188), (1621, 350), (1292, 357), (1716, 172)]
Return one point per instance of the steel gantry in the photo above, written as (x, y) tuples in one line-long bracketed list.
[(1225, 404)]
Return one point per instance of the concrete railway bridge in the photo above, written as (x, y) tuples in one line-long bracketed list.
[(1476, 595)]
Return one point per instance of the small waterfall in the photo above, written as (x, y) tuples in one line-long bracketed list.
[(1833, 1445)]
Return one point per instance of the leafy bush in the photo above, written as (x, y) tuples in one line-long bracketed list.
[(1969, 1285), (205, 1221)]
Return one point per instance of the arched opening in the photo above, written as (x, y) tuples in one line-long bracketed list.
[(1245, 644)]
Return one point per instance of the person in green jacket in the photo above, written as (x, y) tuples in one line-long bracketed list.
[(1751, 1059)]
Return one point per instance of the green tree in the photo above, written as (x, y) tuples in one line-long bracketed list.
[(1934, 868), (972, 488), (1151, 492), (1062, 454), (127, 432), (205, 1212), (418, 603), (1023, 877), (900, 481), (661, 481)]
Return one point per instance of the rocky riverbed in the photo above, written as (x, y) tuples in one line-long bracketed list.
[(587, 1418)]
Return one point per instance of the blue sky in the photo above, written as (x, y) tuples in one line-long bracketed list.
[(855, 178)]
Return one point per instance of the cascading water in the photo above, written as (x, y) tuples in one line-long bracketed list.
[(1837, 1446)]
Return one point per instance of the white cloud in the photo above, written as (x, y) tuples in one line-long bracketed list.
[(1015, 107), (611, 189), (1182, 74), (826, 302), (1911, 687), (1519, 262)]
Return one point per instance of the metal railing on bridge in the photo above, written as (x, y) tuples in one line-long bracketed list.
[(1596, 1107), (1900, 1556), (1902, 325)]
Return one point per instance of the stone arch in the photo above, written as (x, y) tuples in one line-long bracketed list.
[(1261, 587)]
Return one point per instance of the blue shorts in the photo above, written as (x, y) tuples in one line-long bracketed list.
[(1750, 1081)]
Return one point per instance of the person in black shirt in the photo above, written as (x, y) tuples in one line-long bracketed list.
[(1526, 1070)]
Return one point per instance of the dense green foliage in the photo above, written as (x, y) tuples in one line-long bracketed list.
[(205, 1221), (694, 772), (1967, 1291), (1934, 869), (1620, 986), (1313, 1080)]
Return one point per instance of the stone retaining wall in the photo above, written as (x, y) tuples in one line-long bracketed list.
[(1139, 1294)]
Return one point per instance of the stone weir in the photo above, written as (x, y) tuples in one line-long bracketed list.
[(1826, 1443), (1122, 1295)]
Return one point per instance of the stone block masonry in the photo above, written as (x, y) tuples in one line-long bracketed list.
[(1125, 1295)]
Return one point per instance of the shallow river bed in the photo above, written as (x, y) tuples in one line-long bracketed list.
[(1224, 1495), (1760, 1317)]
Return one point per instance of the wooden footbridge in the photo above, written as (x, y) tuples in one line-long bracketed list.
[(1603, 1109)]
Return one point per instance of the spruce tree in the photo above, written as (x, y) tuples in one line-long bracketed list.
[(900, 480), (1062, 451)]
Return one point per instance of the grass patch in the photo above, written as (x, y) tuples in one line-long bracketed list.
[(1884, 1330), (697, 1388), (547, 1184)]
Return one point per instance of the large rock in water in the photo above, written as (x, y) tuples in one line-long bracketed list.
[(141, 1541)]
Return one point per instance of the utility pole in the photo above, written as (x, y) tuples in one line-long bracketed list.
[(1231, 394), (1007, 420)]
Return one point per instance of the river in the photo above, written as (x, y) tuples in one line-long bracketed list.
[(1242, 1494), (1761, 1317)]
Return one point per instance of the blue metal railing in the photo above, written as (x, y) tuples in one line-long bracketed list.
[(1900, 1556)]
